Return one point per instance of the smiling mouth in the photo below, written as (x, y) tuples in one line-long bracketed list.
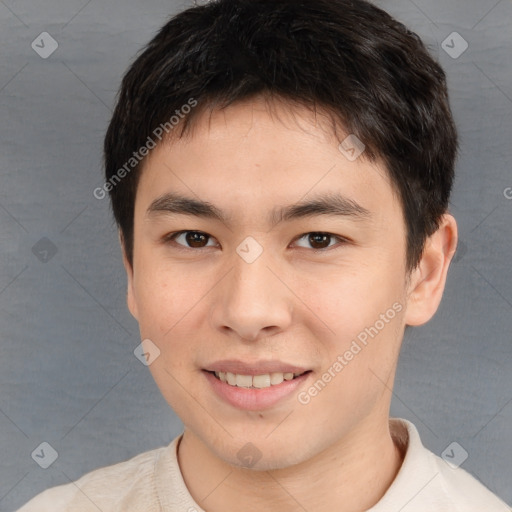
[(256, 381)]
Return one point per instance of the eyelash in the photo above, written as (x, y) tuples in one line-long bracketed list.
[(171, 237)]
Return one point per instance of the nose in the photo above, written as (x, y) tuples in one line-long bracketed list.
[(251, 302)]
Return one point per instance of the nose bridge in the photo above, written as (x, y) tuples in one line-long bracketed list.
[(251, 299), (252, 280), (251, 274)]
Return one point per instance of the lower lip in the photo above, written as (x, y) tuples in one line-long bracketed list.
[(252, 399)]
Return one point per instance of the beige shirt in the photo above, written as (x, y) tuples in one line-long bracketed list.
[(152, 482)]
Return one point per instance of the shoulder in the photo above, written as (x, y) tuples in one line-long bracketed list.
[(128, 485), (426, 482), (464, 490)]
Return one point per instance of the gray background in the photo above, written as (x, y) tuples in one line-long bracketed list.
[(68, 375)]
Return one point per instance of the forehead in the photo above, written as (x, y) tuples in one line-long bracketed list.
[(249, 157)]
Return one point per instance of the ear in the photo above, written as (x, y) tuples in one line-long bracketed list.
[(427, 281), (130, 295)]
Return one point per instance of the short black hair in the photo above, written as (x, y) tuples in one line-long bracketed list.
[(374, 77)]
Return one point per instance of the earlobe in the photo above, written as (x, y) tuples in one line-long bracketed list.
[(427, 281), (130, 293)]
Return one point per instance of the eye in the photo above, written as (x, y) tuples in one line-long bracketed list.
[(320, 241), (190, 239)]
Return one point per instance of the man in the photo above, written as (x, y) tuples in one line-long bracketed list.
[(280, 174)]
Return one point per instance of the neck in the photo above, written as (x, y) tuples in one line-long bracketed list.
[(351, 476)]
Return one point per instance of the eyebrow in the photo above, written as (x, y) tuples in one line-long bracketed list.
[(325, 204)]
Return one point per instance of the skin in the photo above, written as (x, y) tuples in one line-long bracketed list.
[(294, 304)]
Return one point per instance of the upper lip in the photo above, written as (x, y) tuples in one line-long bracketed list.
[(255, 368)]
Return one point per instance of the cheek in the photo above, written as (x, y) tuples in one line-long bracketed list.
[(166, 297), (359, 361), (169, 315), (347, 300), (363, 308), (169, 303)]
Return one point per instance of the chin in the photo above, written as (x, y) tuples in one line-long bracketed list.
[(263, 454)]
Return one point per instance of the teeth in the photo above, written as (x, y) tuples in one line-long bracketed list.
[(243, 381), (261, 381), (276, 378), (257, 381)]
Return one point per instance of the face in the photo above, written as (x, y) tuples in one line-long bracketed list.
[(261, 250)]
